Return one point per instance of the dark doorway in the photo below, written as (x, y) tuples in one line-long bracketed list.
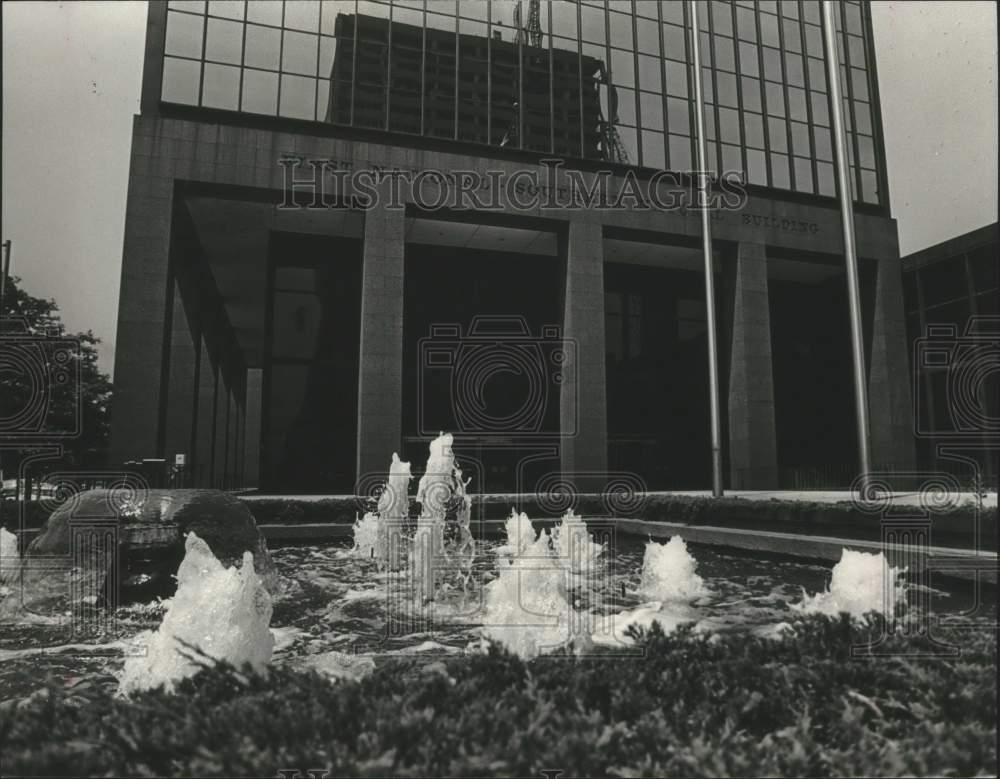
[(481, 346), (813, 389), (657, 375), (309, 441)]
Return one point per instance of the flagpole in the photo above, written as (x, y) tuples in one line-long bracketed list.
[(706, 245), (850, 253)]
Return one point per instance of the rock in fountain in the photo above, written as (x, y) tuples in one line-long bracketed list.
[(668, 572), (860, 583), (224, 612)]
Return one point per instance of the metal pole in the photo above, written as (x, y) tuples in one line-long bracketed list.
[(705, 192), (847, 224), (6, 273)]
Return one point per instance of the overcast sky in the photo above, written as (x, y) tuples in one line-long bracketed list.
[(71, 74)]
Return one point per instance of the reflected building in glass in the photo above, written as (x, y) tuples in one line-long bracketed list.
[(286, 349)]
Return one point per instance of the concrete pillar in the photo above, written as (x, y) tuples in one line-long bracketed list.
[(380, 377), (890, 405), (251, 436), (181, 390), (753, 457), (142, 315), (205, 418), (583, 399), (221, 418)]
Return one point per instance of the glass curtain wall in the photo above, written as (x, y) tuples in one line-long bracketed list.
[(596, 79)]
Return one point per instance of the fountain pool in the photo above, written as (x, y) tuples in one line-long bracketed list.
[(337, 612)]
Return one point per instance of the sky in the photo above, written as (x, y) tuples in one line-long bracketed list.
[(71, 77)]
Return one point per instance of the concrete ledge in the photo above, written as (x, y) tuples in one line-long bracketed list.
[(947, 561), (960, 527)]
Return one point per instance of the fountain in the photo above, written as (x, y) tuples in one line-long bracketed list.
[(224, 612), (860, 583), (576, 549), (668, 572)]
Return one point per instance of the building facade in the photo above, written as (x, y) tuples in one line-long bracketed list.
[(950, 292), (296, 348)]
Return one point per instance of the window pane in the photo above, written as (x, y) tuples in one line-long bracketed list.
[(330, 10), (674, 42), (262, 47), (751, 94), (592, 24), (651, 107), (260, 92), (866, 148), (729, 123), (621, 30), (299, 53), (564, 18), (224, 41), (803, 175), (221, 88), (677, 115), (650, 73), (756, 167), (748, 59), (677, 79), (725, 59), (820, 108), (726, 89), (672, 11), (298, 97), (622, 68), (180, 81), (777, 132), (797, 104), (827, 185), (264, 11), (817, 74), (652, 150), (184, 33), (680, 152), (722, 18), (302, 15), (772, 64), (775, 99), (753, 127), (746, 24), (800, 139), (869, 186), (779, 171), (231, 9), (793, 36)]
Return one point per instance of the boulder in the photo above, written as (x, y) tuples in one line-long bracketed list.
[(139, 539)]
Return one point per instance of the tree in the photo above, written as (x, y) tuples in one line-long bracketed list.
[(50, 384)]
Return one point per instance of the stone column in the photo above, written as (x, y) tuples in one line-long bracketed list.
[(753, 458), (583, 398), (205, 418), (251, 435), (890, 405), (181, 390), (142, 315), (380, 375)]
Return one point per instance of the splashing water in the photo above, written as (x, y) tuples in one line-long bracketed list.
[(527, 607), (365, 536), (668, 572), (520, 534), (225, 612), (861, 582), (574, 545)]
